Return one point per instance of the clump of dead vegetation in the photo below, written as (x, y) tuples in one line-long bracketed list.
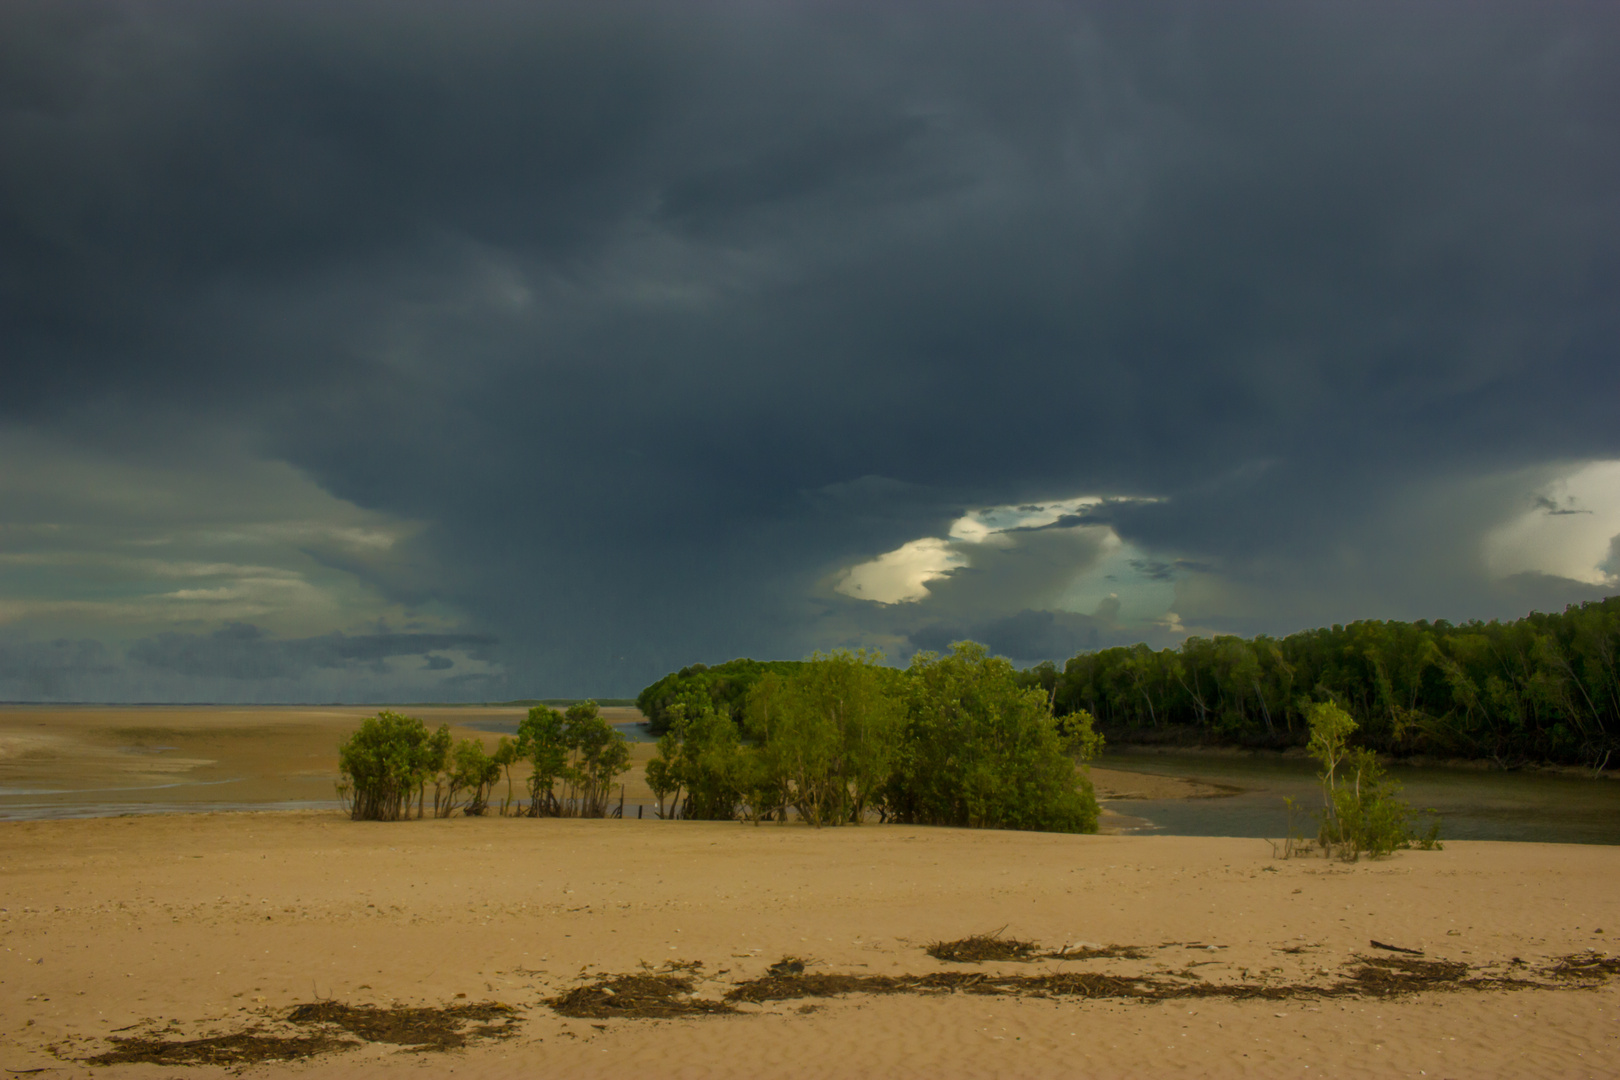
[(819, 985), (643, 996), (421, 1028), (978, 948), (242, 1048), (418, 1029)]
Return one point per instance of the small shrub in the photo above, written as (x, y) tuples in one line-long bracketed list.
[(1363, 813)]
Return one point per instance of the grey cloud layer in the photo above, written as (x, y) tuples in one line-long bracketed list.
[(243, 651), (658, 317)]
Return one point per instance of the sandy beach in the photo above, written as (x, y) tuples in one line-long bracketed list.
[(175, 929)]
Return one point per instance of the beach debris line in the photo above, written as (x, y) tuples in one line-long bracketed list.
[(670, 995), (642, 996), (819, 985), (419, 1029), (979, 948), (242, 1048)]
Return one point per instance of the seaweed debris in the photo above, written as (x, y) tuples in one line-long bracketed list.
[(242, 1048), (643, 996), (790, 987), (1386, 976), (421, 1028)]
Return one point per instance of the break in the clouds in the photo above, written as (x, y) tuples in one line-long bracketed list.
[(369, 350)]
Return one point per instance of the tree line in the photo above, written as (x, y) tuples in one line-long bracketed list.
[(1542, 688), (386, 767), (834, 740)]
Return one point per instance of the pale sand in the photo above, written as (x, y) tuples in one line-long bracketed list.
[(217, 921), (203, 919)]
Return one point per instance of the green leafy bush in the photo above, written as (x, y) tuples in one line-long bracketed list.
[(474, 771), (1363, 813), (701, 766), (574, 758), (983, 752), (953, 741), (386, 763), (723, 688), (828, 738)]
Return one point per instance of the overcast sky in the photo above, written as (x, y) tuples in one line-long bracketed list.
[(400, 351)]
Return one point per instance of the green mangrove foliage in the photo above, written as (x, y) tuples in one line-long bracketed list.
[(827, 737), (953, 740), (723, 688), (574, 759), (473, 771), (1544, 687), (1362, 813), (387, 763)]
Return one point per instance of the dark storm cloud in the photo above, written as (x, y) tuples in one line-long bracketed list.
[(243, 651), (39, 671), (658, 316)]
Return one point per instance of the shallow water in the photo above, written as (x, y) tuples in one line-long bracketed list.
[(1470, 805)]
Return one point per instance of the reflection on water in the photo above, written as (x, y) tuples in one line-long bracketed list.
[(1471, 805)]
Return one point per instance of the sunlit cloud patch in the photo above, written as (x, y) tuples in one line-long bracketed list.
[(1571, 531)]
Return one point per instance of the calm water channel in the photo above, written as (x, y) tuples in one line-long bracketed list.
[(1471, 805)]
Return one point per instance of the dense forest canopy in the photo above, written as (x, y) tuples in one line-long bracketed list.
[(723, 688), (952, 740), (1544, 687)]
